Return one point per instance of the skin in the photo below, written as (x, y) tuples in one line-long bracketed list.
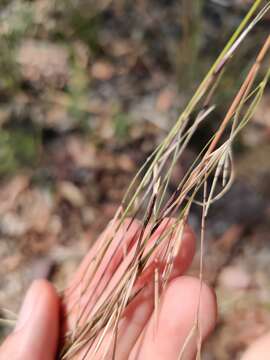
[(36, 335)]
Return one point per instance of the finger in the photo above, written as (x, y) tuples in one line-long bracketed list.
[(260, 349), (141, 307), (92, 278), (36, 332), (181, 260), (122, 235), (177, 313)]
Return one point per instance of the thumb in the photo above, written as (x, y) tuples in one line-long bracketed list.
[(36, 333)]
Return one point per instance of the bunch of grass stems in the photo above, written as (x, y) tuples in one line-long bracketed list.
[(211, 174), (147, 199)]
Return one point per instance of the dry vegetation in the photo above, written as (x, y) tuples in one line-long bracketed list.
[(69, 143)]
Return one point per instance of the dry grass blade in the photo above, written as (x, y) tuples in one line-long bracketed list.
[(98, 319)]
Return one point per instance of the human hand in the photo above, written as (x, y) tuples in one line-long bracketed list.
[(37, 332)]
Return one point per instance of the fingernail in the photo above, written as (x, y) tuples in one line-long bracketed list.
[(29, 303)]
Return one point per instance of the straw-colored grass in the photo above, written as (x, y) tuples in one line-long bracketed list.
[(146, 198)]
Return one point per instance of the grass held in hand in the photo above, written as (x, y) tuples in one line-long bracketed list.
[(147, 243)]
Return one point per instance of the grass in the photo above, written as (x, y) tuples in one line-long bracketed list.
[(146, 197)]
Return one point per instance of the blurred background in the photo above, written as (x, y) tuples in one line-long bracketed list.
[(87, 90)]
